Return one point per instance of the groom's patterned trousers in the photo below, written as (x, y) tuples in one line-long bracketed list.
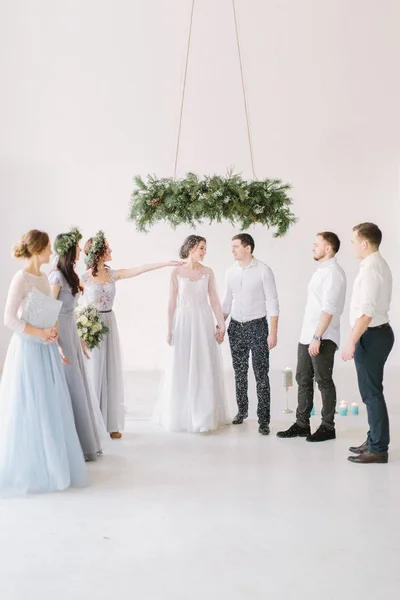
[(244, 338)]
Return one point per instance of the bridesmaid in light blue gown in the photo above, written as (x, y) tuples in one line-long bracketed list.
[(65, 286), (39, 446)]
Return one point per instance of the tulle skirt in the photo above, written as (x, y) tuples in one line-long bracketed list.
[(39, 446), (105, 371), (88, 419), (192, 393)]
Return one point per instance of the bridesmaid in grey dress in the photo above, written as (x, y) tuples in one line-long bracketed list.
[(105, 365), (66, 287)]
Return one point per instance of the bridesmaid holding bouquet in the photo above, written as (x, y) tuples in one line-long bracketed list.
[(66, 287), (105, 366)]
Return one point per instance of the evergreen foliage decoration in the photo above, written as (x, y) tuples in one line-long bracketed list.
[(193, 200)]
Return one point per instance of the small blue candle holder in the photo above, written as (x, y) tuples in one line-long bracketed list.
[(342, 411), (354, 409)]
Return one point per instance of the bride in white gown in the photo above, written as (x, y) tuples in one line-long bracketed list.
[(192, 395)]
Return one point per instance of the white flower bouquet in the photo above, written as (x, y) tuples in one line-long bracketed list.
[(91, 328)]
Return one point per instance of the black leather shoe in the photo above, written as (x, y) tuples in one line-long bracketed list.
[(263, 429), (240, 417), (322, 434), (368, 457), (295, 431), (359, 449)]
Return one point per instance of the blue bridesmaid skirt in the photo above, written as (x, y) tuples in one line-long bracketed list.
[(39, 447)]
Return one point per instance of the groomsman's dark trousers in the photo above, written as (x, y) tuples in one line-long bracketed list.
[(372, 351), (320, 369), (244, 338)]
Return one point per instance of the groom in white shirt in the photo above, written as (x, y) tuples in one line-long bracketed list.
[(319, 340), (250, 294)]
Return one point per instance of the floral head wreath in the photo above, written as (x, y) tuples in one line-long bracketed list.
[(68, 241), (97, 249)]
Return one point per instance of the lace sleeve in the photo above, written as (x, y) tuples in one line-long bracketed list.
[(16, 295), (228, 298), (113, 275), (55, 278), (173, 296), (214, 300)]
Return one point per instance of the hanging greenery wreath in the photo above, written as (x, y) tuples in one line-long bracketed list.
[(192, 200)]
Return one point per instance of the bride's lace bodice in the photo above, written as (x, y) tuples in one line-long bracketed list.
[(191, 289), (193, 292), (101, 295), (21, 285)]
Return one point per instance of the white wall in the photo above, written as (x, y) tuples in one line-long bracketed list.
[(90, 97)]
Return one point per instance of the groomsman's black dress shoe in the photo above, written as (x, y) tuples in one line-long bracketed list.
[(359, 449), (263, 429), (368, 457), (295, 431), (240, 417), (322, 434)]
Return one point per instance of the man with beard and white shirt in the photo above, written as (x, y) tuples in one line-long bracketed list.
[(319, 340)]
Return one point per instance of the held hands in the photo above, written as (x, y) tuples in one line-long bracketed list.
[(220, 334), (49, 335), (54, 337), (169, 339)]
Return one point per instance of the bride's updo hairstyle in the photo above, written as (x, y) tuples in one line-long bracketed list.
[(191, 242), (32, 243)]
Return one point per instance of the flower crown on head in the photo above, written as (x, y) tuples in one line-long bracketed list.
[(97, 248), (67, 241)]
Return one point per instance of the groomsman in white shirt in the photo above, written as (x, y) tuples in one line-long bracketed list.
[(371, 339), (319, 340), (251, 295)]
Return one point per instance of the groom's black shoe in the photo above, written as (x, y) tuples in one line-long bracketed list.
[(295, 431), (263, 429), (322, 434), (240, 417)]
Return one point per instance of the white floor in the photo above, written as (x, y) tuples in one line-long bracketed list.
[(232, 515)]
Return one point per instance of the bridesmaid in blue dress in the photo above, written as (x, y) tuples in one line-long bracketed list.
[(39, 446), (105, 365), (65, 286)]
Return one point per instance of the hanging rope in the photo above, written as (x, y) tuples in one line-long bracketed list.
[(184, 90), (246, 108)]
